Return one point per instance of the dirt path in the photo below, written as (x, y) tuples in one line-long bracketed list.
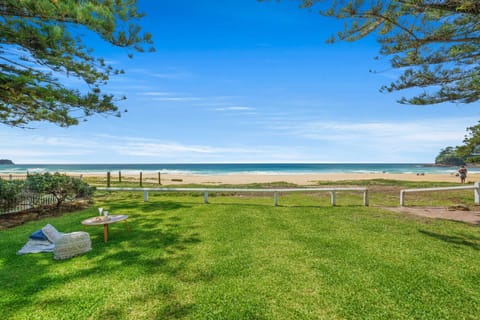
[(471, 217)]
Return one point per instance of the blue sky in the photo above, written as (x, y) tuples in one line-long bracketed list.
[(243, 81)]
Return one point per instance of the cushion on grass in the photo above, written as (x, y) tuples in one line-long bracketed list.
[(51, 233), (72, 244), (38, 235)]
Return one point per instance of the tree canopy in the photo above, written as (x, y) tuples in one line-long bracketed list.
[(42, 40), (434, 43), (468, 152), (470, 145), (449, 157)]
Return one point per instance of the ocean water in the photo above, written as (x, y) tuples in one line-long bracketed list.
[(233, 168)]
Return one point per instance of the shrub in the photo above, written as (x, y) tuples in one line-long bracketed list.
[(60, 186), (10, 192)]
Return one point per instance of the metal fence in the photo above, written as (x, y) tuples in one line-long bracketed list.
[(26, 201)]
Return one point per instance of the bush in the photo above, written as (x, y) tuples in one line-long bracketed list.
[(83, 190), (60, 186), (10, 192)]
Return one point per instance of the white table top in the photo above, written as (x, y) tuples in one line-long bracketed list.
[(101, 220)]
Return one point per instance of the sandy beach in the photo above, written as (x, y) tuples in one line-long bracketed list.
[(299, 179)]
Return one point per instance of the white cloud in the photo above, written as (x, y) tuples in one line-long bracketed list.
[(177, 99), (285, 139), (414, 132), (172, 75), (155, 148), (35, 154), (234, 108), (370, 141), (31, 147), (169, 96), (157, 93), (216, 102)]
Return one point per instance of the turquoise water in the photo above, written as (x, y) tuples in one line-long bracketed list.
[(230, 168)]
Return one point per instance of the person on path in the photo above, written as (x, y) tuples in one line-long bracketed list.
[(463, 174)]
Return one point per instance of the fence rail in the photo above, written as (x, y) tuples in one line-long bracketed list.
[(276, 192), (475, 187)]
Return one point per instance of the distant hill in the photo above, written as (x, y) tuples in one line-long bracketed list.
[(6, 161)]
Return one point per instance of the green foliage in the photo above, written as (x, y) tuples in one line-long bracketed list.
[(465, 153), (435, 44), (470, 144), (10, 192), (42, 40), (449, 156), (81, 188), (61, 186)]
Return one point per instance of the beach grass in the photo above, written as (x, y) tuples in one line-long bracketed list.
[(239, 257)]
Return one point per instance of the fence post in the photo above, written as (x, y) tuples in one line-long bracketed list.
[(205, 197), (145, 196), (108, 179), (119, 176), (10, 177), (140, 178), (402, 198), (275, 199), (477, 193), (159, 179), (365, 198), (334, 198)]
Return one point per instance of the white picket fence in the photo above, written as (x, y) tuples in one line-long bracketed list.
[(275, 192)]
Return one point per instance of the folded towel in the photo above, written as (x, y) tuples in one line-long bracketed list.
[(36, 246)]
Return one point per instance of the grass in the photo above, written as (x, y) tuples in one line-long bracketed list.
[(241, 258), (382, 192)]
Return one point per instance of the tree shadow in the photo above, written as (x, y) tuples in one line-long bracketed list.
[(127, 205), (264, 205), (463, 240), (160, 241)]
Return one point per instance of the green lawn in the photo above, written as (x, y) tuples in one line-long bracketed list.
[(241, 258)]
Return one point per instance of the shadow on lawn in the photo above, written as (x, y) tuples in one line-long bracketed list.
[(158, 244), (145, 207), (287, 205), (465, 240)]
